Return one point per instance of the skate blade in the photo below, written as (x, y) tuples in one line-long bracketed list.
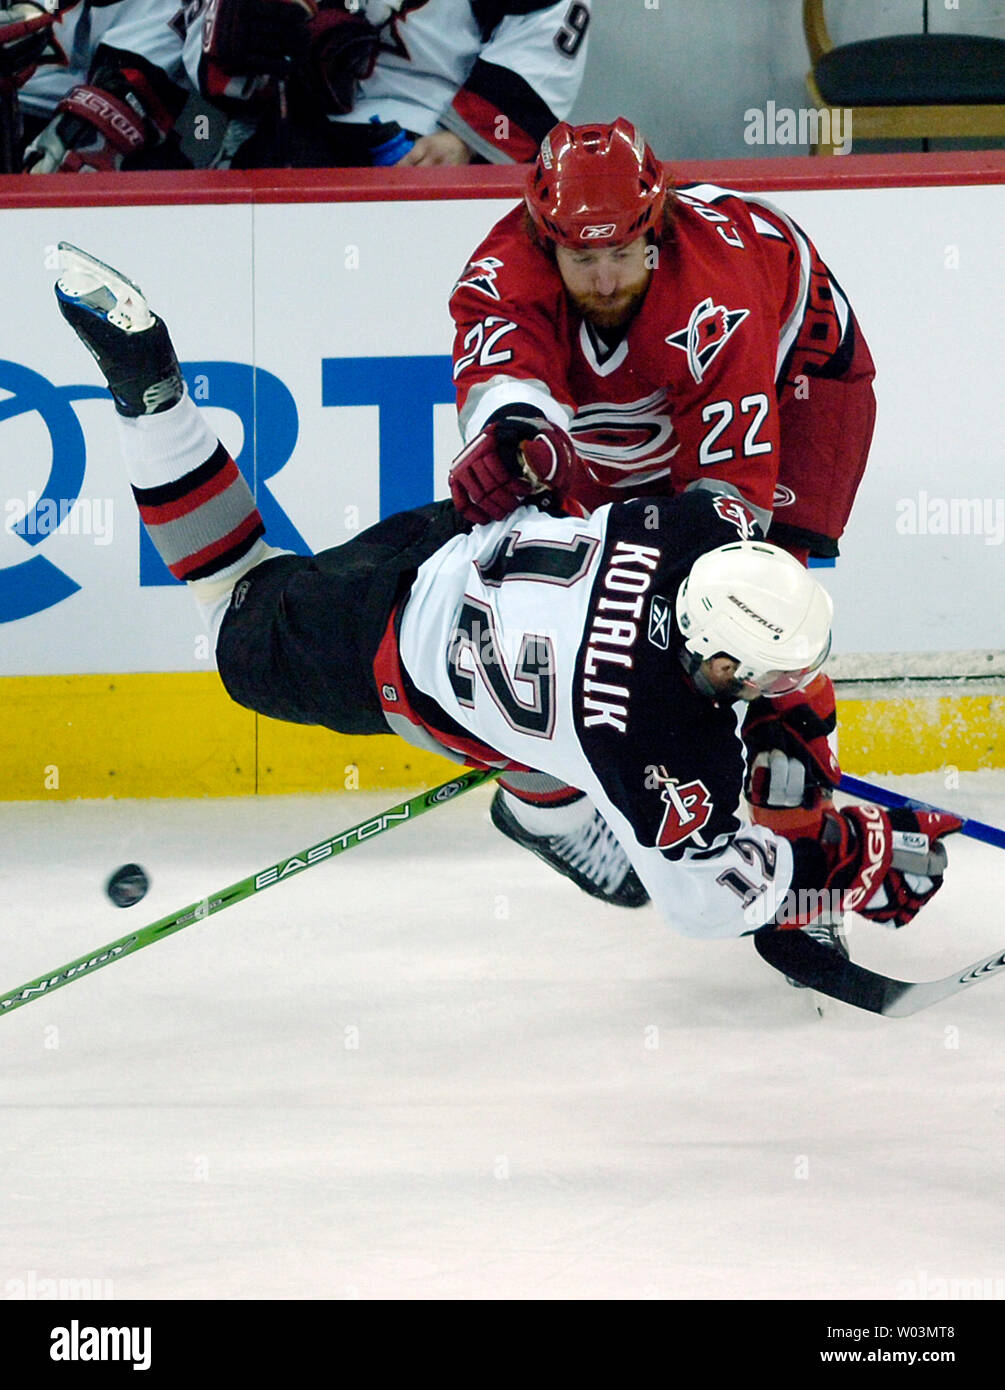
[(82, 276)]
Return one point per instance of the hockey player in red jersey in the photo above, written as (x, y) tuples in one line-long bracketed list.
[(608, 650), (616, 337), (671, 335)]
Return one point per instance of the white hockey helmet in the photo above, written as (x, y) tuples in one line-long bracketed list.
[(757, 604)]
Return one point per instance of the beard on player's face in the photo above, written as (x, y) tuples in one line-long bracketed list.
[(610, 311), (606, 286)]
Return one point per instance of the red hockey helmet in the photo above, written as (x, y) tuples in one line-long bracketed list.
[(595, 185)]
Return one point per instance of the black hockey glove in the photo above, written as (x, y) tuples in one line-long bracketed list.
[(342, 54), (256, 36)]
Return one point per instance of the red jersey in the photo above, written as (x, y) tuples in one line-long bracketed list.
[(740, 313)]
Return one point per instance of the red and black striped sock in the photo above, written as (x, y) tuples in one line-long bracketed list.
[(193, 500)]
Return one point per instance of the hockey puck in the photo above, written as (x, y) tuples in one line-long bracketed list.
[(128, 885)]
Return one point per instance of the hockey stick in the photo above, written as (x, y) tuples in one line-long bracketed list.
[(246, 888), (976, 829), (820, 967)]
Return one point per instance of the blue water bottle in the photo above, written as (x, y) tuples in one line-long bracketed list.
[(392, 142)]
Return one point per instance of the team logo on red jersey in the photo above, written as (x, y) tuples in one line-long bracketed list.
[(737, 513), (687, 807), (625, 444), (708, 330), (481, 275)]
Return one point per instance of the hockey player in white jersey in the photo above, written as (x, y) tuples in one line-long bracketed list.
[(102, 84), (362, 82), (607, 651)]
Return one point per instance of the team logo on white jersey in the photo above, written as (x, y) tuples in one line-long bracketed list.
[(387, 15), (481, 275), (708, 330), (687, 807)]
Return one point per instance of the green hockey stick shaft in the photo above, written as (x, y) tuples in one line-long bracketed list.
[(280, 872)]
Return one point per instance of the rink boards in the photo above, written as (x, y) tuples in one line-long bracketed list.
[(310, 316)]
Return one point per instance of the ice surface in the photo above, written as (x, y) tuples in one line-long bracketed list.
[(433, 1069)]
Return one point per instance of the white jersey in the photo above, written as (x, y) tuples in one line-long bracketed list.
[(146, 28), (550, 640), (499, 73), (467, 64)]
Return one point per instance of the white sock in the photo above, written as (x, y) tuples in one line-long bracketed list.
[(162, 448)]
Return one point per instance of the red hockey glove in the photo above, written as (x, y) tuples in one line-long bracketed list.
[(514, 457), (24, 37), (127, 105), (916, 867), (884, 866), (256, 36), (791, 769), (94, 133)]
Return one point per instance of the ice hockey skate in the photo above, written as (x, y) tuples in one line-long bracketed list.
[(591, 856), (113, 320), (828, 929)]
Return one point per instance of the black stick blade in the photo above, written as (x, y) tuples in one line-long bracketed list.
[(819, 967)]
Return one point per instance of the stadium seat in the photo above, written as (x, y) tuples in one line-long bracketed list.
[(908, 86)]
